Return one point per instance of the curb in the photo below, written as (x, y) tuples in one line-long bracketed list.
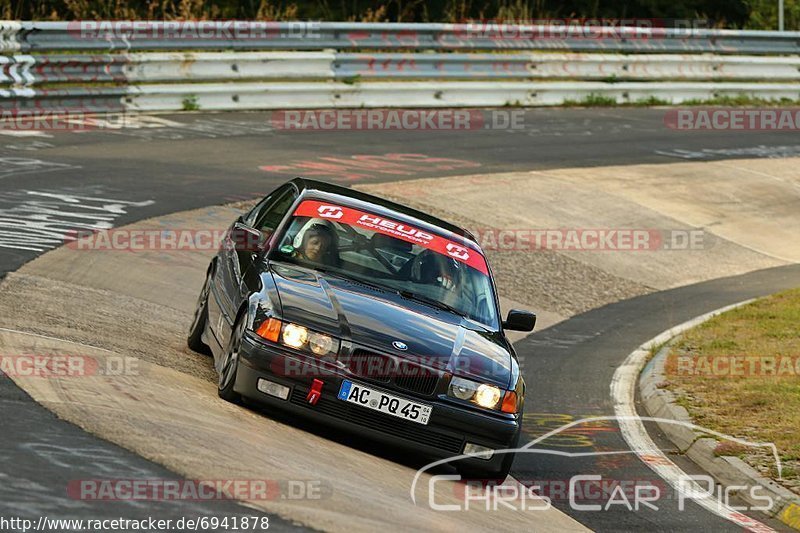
[(727, 470)]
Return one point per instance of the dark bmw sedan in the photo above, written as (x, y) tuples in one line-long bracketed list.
[(368, 315)]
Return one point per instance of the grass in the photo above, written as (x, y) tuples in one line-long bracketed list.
[(190, 103), (593, 100), (740, 100), (753, 405), (654, 349)]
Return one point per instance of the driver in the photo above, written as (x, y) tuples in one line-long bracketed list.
[(319, 244)]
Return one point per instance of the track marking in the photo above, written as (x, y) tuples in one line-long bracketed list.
[(20, 332), (623, 393)]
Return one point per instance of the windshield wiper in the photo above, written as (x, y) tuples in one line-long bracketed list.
[(360, 281), (432, 302)]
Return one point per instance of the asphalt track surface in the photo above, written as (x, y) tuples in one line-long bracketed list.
[(569, 367), (195, 160)]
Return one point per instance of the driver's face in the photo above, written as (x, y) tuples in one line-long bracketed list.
[(315, 248)]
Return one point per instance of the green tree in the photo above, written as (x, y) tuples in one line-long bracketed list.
[(764, 15)]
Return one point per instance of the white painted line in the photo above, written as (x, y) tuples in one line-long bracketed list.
[(20, 332), (623, 392), (25, 133)]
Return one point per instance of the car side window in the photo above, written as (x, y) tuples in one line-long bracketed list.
[(270, 217), (255, 213)]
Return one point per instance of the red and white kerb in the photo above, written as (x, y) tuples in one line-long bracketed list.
[(400, 230)]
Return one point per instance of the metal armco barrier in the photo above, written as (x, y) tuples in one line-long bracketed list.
[(432, 94), (608, 67), (243, 35), (260, 65)]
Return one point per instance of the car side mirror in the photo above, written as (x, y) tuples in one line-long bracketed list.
[(247, 239), (520, 320)]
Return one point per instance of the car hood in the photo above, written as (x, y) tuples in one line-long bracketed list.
[(375, 319)]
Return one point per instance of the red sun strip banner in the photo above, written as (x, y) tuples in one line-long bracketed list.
[(392, 228)]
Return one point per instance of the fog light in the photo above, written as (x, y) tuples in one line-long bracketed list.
[(482, 451), (273, 389)]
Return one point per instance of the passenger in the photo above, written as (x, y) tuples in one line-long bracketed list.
[(436, 269)]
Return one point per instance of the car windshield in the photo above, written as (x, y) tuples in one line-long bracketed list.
[(392, 255)]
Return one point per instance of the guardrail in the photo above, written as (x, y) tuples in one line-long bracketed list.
[(243, 35), (169, 65), (29, 70)]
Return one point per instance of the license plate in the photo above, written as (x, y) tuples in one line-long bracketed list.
[(384, 402)]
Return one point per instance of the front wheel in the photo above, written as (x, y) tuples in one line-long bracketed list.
[(230, 363)]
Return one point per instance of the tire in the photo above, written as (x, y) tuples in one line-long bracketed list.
[(230, 363), (194, 340)]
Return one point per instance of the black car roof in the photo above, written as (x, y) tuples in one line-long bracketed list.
[(314, 186)]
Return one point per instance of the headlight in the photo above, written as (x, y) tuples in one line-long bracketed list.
[(294, 336), (320, 344), (463, 389), (486, 396), (298, 337)]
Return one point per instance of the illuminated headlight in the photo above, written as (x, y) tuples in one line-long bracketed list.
[(294, 336), (487, 396), (301, 338)]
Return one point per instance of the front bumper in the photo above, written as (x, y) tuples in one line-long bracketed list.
[(450, 427)]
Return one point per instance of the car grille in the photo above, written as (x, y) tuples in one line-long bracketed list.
[(424, 384), (384, 423), (370, 365), (405, 375)]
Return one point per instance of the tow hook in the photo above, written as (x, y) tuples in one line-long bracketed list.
[(314, 392)]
